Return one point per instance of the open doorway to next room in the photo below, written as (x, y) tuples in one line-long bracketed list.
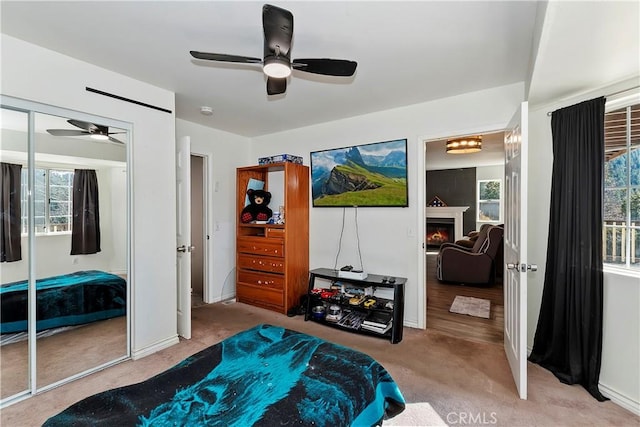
[(463, 192), (198, 230)]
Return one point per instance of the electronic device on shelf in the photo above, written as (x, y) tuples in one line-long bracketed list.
[(348, 272)]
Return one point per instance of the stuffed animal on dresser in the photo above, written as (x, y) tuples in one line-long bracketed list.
[(257, 209)]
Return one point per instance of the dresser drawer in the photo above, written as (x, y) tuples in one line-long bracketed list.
[(256, 278), (261, 263), (261, 296), (261, 246), (273, 232)]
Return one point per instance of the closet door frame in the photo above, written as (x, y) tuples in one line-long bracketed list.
[(32, 108)]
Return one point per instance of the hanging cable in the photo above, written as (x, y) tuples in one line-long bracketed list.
[(358, 238), (335, 264)]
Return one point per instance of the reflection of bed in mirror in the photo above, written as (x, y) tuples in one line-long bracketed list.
[(98, 331), (67, 300)]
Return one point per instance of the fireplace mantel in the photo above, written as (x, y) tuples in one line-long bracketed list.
[(454, 212)]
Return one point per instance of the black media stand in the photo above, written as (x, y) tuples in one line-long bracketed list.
[(349, 308)]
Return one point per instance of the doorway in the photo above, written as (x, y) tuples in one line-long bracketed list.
[(452, 179), (199, 235)]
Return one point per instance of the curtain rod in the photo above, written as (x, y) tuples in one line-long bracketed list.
[(606, 96)]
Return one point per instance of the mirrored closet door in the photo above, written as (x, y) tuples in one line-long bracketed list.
[(14, 345), (73, 273)]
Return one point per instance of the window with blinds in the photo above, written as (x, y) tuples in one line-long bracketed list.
[(621, 204)]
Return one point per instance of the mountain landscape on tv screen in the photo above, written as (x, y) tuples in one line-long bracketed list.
[(366, 175)]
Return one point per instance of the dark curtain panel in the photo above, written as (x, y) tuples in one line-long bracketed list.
[(10, 244), (85, 233), (568, 338)]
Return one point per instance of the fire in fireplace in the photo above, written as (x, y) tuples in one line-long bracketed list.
[(439, 231)]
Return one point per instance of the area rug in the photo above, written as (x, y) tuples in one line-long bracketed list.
[(471, 306)]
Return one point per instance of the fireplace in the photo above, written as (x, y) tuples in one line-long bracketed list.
[(439, 231), (443, 224)]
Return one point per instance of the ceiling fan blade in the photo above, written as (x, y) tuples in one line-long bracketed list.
[(224, 57), (276, 86), (68, 132), (91, 127), (278, 30), (325, 66)]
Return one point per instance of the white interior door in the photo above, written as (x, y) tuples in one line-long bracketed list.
[(515, 247), (183, 234)]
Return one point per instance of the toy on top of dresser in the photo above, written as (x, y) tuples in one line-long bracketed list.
[(257, 209)]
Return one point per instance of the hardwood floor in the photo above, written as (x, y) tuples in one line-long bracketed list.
[(440, 297)]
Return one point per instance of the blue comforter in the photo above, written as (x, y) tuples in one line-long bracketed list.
[(264, 376), (71, 299)]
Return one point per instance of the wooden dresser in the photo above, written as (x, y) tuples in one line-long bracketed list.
[(272, 261)]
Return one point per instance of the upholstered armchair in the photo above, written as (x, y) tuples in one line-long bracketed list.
[(475, 266), (470, 239)]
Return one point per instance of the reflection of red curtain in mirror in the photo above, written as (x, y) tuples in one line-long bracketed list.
[(10, 225), (85, 231)]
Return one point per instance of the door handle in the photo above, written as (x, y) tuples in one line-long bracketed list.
[(185, 248), (522, 267)]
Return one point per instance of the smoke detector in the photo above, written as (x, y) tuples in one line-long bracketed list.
[(207, 111)]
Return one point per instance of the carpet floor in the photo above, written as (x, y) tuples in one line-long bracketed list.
[(446, 380)]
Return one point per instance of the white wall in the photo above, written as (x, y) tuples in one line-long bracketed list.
[(225, 152), (620, 373), (33, 73), (118, 205), (390, 238)]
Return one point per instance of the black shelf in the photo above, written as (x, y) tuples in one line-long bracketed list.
[(372, 280)]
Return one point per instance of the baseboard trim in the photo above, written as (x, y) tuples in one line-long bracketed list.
[(615, 396), (620, 399), (154, 348), (225, 297), (410, 324)]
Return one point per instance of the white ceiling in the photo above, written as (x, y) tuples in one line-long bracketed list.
[(586, 45), (407, 52), (492, 154)]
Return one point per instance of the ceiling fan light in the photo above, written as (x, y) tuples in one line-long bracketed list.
[(99, 136), (276, 68), (465, 145)]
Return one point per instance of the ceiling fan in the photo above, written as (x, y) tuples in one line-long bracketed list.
[(277, 63), (92, 130)]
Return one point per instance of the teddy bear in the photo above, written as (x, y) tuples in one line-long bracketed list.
[(257, 209)]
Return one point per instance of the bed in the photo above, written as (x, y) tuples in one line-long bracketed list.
[(264, 376), (70, 299)]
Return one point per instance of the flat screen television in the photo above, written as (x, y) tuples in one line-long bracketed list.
[(367, 175)]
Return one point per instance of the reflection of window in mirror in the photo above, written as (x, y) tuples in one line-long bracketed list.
[(53, 191), (489, 205)]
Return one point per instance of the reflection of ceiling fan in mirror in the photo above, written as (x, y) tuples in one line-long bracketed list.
[(92, 130)]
